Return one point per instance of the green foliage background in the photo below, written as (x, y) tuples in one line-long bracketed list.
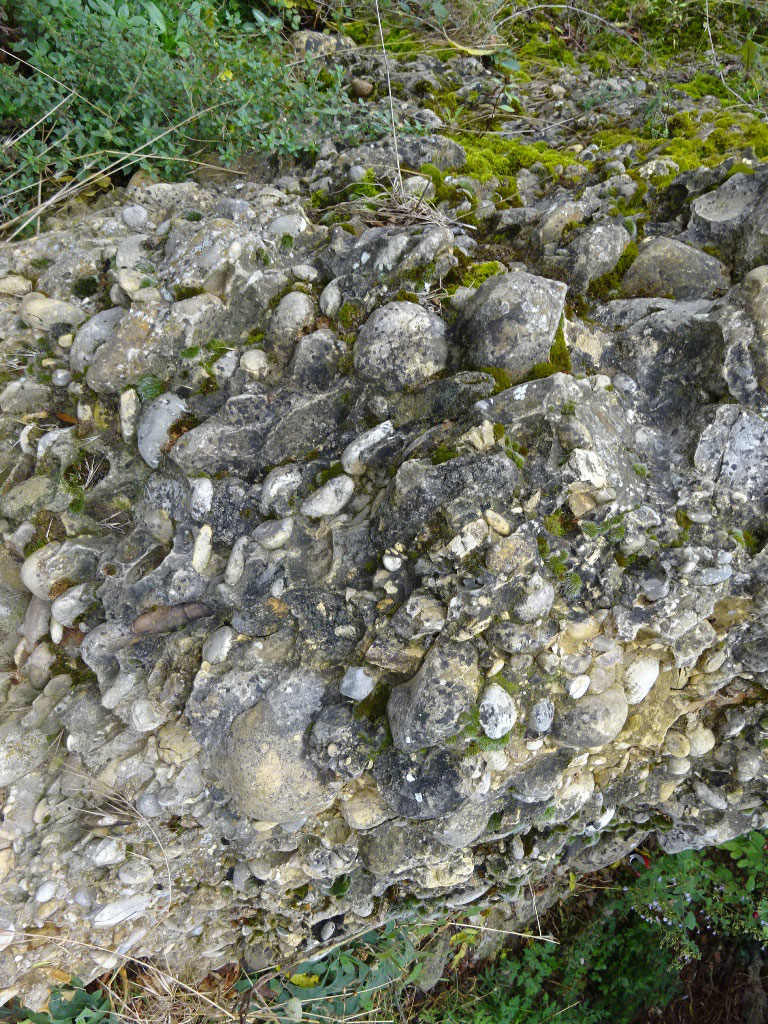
[(168, 82)]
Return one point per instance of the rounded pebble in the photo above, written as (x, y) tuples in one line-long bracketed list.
[(577, 686), (330, 498), (677, 744)]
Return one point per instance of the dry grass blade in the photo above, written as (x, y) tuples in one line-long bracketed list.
[(504, 931), (393, 205), (150, 994), (73, 188), (389, 92), (564, 1009), (165, 999), (118, 804)]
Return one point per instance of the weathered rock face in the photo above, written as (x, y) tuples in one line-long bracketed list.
[(400, 345), (295, 589), (675, 270), (511, 322)]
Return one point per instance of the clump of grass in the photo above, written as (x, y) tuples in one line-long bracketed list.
[(149, 387)]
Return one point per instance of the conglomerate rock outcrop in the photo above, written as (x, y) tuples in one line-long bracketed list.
[(338, 585)]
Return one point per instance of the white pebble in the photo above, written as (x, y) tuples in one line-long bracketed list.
[(45, 892), (330, 498), (357, 683), (129, 411), (155, 424), (147, 715), (639, 677), (497, 522), (330, 299), (273, 534), (236, 563), (497, 711), (577, 686), (201, 497), (57, 630), (218, 645), (255, 362), (120, 911), (353, 456), (106, 852), (201, 553)]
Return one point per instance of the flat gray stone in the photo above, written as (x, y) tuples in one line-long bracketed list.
[(672, 269)]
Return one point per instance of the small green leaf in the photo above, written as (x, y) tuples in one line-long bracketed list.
[(341, 885), (155, 15), (749, 54)]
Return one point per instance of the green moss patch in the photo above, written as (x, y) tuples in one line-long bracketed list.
[(443, 453), (500, 376), (335, 469), (607, 286), (731, 133), (182, 292), (350, 316), (85, 287), (491, 156), (149, 387), (480, 272), (559, 357)]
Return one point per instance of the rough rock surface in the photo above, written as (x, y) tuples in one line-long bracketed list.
[(305, 580)]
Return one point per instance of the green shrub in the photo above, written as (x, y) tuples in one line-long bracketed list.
[(169, 82), (347, 982), (623, 952), (696, 891), (70, 1004)]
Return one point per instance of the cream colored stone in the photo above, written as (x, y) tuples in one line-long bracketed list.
[(456, 871), (176, 744), (14, 285), (497, 522), (365, 809), (702, 740), (677, 744), (666, 789)]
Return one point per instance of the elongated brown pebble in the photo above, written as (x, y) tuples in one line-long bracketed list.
[(168, 617)]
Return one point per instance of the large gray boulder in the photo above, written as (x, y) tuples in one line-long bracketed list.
[(401, 345), (511, 322), (429, 708), (266, 767), (673, 269), (593, 721), (734, 219)]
